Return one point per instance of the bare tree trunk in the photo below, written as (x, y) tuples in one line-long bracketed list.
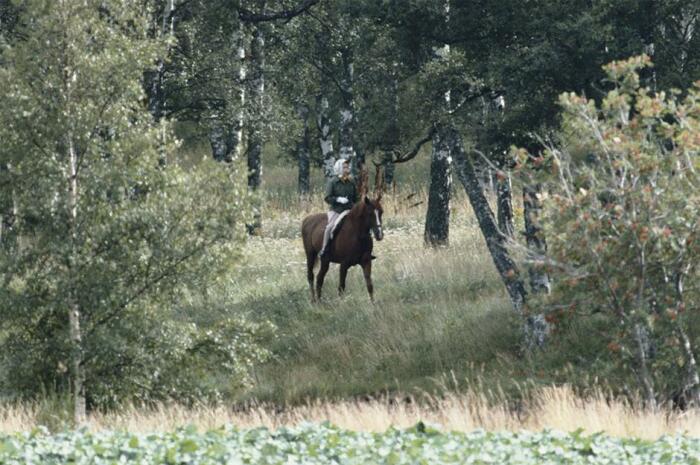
[(537, 248), (539, 280), (304, 151), (217, 140), (255, 127), (8, 209), (155, 79), (347, 114), (437, 220), (325, 136), (641, 338), (504, 190), (257, 97), (234, 141), (391, 138), (226, 137), (156, 96), (495, 241), (691, 386), (74, 314)]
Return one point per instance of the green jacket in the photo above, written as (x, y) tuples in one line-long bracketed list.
[(335, 188)]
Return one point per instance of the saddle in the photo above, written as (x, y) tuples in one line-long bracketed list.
[(335, 226)]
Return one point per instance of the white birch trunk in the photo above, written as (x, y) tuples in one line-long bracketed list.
[(347, 113), (226, 135), (256, 124), (325, 136), (257, 98), (235, 144), (74, 314)]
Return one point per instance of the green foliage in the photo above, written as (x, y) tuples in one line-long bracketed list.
[(322, 444), (621, 212), (96, 218)]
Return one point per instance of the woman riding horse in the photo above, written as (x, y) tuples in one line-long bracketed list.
[(352, 242), (341, 195)]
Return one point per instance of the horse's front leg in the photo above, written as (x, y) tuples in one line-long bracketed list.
[(343, 274), (367, 271), (325, 264), (310, 262)]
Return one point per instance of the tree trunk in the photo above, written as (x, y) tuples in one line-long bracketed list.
[(347, 114), (641, 337), (495, 241), (217, 140), (437, 221), (391, 138), (156, 96), (156, 92), (534, 236), (691, 386), (257, 97), (74, 314), (325, 136), (504, 189), (8, 209), (235, 138), (256, 126), (389, 172), (226, 137), (304, 151), (537, 247)]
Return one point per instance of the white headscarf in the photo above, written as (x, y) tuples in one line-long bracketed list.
[(338, 166)]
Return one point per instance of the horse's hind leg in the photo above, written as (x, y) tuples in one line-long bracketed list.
[(310, 262), (325, 264), (343, 275), (367, 271)]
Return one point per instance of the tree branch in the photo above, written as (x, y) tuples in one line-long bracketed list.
[(248, 16), (416, 148)]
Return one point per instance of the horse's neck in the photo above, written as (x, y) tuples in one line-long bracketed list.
[(360, 226)]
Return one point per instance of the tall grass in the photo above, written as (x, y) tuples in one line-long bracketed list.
[(554, 407)]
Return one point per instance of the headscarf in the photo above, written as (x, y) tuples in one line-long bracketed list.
[(338, 167)]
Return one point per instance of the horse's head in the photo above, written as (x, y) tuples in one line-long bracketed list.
[(372, 211)]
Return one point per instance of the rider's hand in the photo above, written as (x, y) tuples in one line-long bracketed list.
[(342, 200)]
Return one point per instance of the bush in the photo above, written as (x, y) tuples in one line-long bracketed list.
[(621, 211)]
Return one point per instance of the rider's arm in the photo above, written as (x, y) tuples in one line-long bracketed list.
[(330, 197)]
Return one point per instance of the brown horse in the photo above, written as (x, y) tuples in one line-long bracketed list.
[(351, 245)]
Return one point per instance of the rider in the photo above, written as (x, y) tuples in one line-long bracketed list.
[(341, 194)]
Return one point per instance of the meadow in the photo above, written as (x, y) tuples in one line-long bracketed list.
[(441, 344), (433, 372)]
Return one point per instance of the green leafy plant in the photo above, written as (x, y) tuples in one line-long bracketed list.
[(621, 214)]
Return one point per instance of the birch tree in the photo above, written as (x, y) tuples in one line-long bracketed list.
[(437, 220), (109, 235)]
